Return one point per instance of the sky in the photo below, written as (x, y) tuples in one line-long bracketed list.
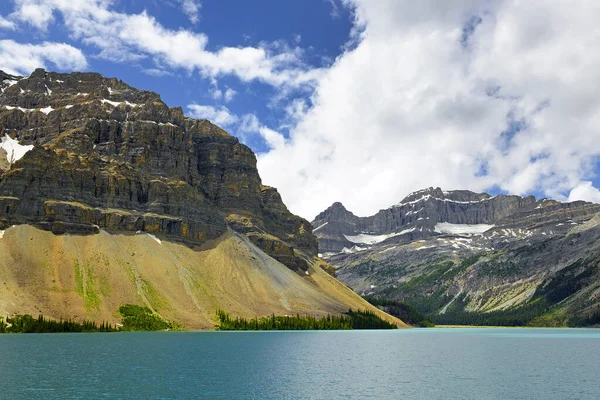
[(358, 101)]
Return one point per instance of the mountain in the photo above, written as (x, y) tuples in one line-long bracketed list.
[(109, 196), (464, 257)]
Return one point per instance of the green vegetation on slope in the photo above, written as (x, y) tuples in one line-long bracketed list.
[(549, 306), (137, 318), (402, 310), (350, 320)]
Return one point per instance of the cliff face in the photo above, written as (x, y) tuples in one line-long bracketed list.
[(107, 156)]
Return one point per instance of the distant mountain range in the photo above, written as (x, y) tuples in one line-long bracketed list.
[(464, 257), (110, 197)]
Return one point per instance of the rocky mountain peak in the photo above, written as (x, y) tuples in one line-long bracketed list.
[(335, 212), (95, 153), (433, 212)]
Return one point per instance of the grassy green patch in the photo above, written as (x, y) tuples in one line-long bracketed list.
[(78, 279), (137, 318)]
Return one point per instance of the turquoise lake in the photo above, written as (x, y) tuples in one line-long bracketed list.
[(411, 364)]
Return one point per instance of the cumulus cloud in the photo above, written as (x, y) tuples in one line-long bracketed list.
[(457, 94), (132, 37), (585, 191), (22, 59), (218, 115)]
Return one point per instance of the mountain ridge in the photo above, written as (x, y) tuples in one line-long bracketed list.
[(422, 210), (464, 257)]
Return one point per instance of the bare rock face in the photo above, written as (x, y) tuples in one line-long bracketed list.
[(108, 156)]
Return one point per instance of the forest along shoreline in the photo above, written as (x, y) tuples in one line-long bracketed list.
[(137, 318)]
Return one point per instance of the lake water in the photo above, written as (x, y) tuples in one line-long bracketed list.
[(412, 364)]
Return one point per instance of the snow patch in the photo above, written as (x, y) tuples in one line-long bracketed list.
[(18, 108), (414, 212), (364, 238), (48, 91), (69, 106), (354, 249), (14, 151), (427, 197), (461, 229), (157, 240), (117, 103), (2, 234), (110, 91), (112, 103), (47, 110), (424, 248), (320, 226)]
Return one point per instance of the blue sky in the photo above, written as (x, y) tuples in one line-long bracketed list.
[(359, 101)]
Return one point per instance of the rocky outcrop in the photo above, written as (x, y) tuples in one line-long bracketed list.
[(331, 225), (108, 156)]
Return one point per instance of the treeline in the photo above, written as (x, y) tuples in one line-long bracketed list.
[(28, 324), (350, 320), (404, 311), (135, 318)]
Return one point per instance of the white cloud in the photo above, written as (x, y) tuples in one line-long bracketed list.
[(274, 139), (6, 24), (33, 12), (156, 72), (22, 59), (217, 115), (132, 37), (424, 97), (216, 93), (585, 191), (335, 10), (191, 8), (229, 95), (249, 124)]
